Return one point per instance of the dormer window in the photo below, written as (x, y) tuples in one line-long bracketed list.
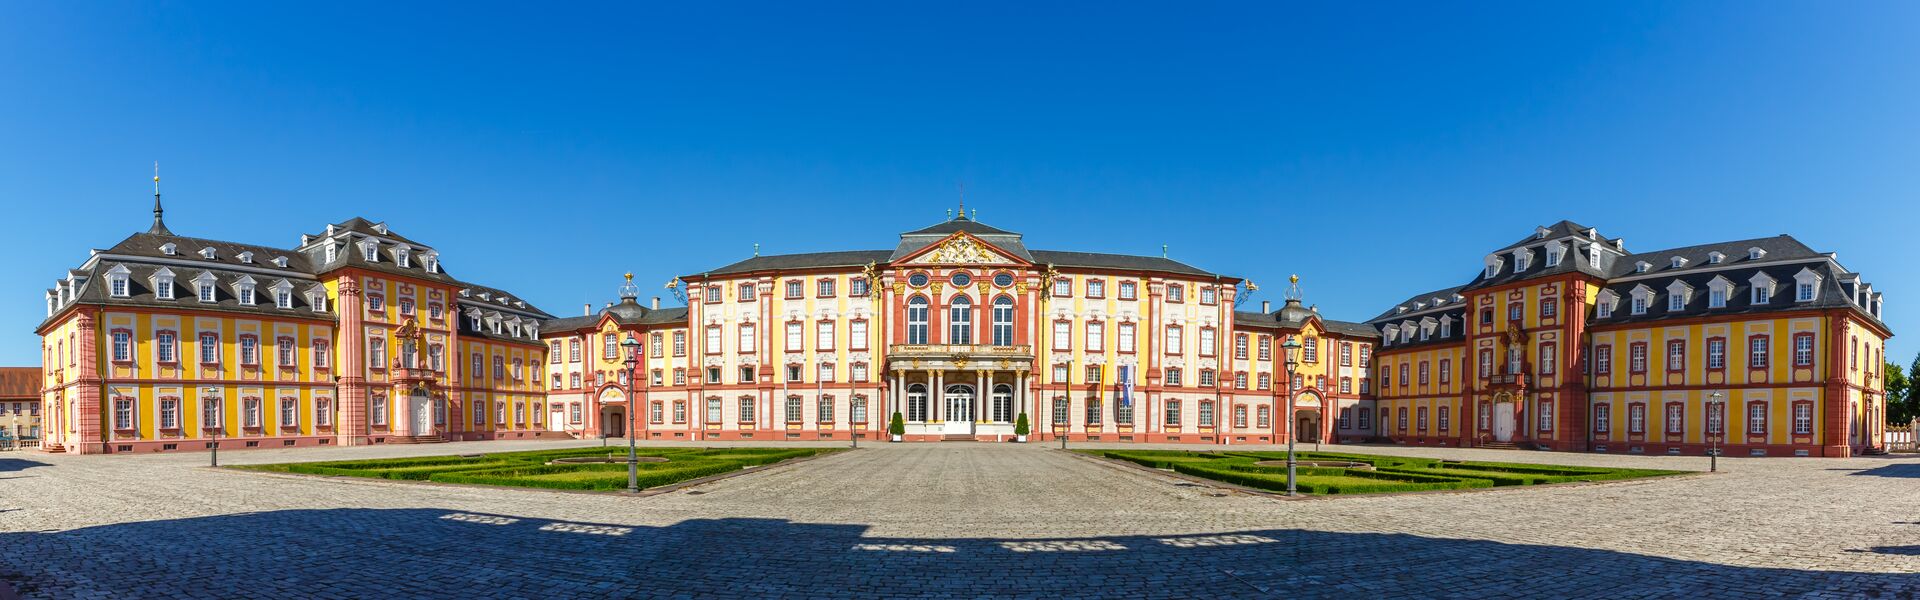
[(169, 249), (1762, 288), (1493, 266), (1678, 262), (246, 294), (208, 253), (402, 257), (1446, 327), (1603, 308), (246, 257), (318, 300), (1806, 286), (280, 261), (370, 251), (163, 284), (1642, 296), (117, 284), (330, 251), (1714, 258), (1677, 298), (1755, 253), (1541, 233), (1642, 266), (1717, 292), (433, 262), (1593, 256), (206, 292), (283, 298), (1555, 252), (1522, 260)]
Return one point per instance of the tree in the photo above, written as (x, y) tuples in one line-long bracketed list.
[(1902, 403)]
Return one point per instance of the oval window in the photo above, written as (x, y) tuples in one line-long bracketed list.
[(917, 279), (1003, 280), (961, 279)]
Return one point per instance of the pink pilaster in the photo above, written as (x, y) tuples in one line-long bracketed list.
[(353, 365), (86, 401)]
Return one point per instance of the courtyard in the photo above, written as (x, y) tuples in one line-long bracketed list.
[(950, 520)]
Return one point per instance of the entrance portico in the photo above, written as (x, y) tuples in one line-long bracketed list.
[(959, 391)]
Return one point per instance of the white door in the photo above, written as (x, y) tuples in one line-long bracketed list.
[(1503, 421), (959, 410), (422, 411)]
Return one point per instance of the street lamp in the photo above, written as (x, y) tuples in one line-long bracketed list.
[(632, 347), (1291, 347), (1719, 426)]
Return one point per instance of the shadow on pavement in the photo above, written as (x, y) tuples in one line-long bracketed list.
[(9, 465), (410, 553), (1907, 470)]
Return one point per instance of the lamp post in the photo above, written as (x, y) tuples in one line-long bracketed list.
[(1290, 348), (633, 458), (1719, 426), (214, 447)]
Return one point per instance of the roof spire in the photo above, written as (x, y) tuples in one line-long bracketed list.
[(756, 248), (628, 291), (1293, 290), (963, 201), (159, 228)]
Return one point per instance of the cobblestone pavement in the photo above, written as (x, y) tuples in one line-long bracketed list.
[(950, 520)]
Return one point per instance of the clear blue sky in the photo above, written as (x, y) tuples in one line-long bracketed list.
[(1378, 151)]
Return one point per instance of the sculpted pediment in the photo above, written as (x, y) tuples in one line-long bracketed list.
[(960, 250)]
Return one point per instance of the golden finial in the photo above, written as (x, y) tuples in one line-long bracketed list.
[(629, 275), (1293, 278)]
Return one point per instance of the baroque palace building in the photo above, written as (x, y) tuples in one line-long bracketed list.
[(355, 335), (1566, 340), (959, 329), (1563, 341)]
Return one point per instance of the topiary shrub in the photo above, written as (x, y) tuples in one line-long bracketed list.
[(1021, 426)]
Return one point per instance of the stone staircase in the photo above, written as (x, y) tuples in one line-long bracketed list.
[(1499, 446), (956, 437), (416, 439)]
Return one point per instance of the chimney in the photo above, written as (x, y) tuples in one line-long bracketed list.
[(609, 305), (1266, 307), (656, 303), (586, 309)]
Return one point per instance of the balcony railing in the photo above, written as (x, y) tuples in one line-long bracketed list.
[(976, 350)]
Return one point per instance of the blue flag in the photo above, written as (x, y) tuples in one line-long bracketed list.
[(1126, 386)]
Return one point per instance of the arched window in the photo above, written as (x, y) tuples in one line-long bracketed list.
[(1002, 404), (917, 397), (960, 321), (917, 321), (1003, 321)]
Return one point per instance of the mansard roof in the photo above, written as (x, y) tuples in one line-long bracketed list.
[(1780, 248), (859, 258), (809, 260), (1097, 260)]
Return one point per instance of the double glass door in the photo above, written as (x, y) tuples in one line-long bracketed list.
[(959, 417)]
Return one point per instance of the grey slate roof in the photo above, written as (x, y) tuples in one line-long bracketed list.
[(774, 262), (1098, 260), (143, 256), (1293, 316), (1778, 248), (1393, 314), (1740, 301), (627, 312), (914, 241)]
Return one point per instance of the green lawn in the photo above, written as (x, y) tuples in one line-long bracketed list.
[(533, 469), (1389, 473)]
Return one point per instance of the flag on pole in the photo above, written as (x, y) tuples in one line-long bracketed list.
[(1126, 386)]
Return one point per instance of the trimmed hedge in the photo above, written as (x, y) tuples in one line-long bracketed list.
[(1390, 473), (1350, 481), (530, 468)]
